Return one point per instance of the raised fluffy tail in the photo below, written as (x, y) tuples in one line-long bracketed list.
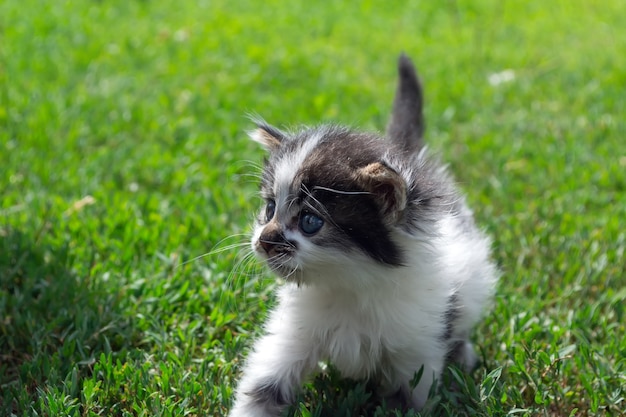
[(406, 125)]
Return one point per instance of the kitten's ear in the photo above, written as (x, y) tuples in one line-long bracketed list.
[(267, 135), (406, 125), (387, 186)]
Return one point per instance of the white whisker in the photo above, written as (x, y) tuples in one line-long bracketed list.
[(291, 202), (320, 207), (217, 249), (318, 187)]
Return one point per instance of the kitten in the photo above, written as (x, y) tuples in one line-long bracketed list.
[(385, 270)]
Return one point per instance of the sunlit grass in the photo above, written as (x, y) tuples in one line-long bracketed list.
[(123, 158)]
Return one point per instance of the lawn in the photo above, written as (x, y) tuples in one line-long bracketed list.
[(124, 159)]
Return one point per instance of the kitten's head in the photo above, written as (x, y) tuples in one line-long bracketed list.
[(336, 198), (330, 199)]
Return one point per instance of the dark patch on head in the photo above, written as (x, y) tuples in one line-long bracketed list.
[(358, 219), (269, 395), (330, 187)]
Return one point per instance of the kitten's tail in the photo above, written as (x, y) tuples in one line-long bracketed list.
[(406, 125)]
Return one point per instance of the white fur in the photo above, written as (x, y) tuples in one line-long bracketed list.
[(367, 318), (287, 168)]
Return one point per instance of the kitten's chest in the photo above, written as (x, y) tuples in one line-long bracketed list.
[(358, 331), (353, 337)]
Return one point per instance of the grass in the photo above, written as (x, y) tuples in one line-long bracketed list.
[(123, 156)]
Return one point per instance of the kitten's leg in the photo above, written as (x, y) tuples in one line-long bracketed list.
[(416, 397), (274, 370), (462, 353), (456, 336), (419, 394)]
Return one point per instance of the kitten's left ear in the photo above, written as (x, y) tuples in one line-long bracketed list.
[(387, 186), (268, 136)]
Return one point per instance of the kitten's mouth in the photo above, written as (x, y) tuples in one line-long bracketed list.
[(284, 266), (279, 256)]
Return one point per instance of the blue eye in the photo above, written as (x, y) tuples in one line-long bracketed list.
[(270, 209), (310, 224)]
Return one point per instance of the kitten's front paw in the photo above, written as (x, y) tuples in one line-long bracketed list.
[(251, 411), (264, 400)]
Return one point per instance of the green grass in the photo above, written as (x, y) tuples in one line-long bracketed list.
[(123, 154)]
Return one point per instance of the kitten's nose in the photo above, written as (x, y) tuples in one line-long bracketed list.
[(274, 243), (273, 247), (268, 246)]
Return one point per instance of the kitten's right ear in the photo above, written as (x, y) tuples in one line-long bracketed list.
[(267, 135), (387, 187)]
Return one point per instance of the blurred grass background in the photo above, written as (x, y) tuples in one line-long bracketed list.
[(123, 154)]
